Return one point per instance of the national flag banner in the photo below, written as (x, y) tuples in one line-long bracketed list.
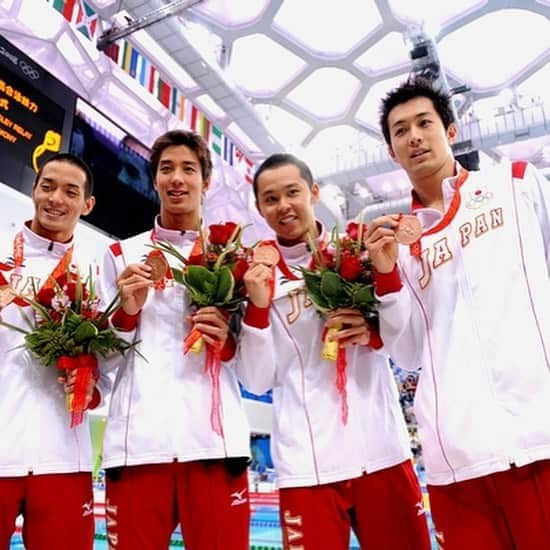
[(164, 90), (174, 101), (183, 102), (244, 165), (141, 70), (80, 14), (127, 56), (134, 62), (203, 126), (194, 115), (216, 140), (228, 151), (153, 80)]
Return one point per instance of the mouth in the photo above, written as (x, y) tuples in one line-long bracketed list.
[(286, 220), (53, 213), (177, 194), (419, 153)]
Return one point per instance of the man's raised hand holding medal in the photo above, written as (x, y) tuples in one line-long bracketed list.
[(383, 236)]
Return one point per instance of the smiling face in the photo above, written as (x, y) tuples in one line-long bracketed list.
[(179, 184), (286, 202), (59, 198), (419, 141)]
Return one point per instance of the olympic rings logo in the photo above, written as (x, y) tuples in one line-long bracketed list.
[(28, 71)]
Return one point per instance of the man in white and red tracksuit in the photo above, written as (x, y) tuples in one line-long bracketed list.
[(45, 465), (332, 474), (166, 463), (468, 304)]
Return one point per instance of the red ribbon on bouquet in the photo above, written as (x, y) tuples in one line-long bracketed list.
[(86, 368), (212, 367), (332, 351), (341, 381)]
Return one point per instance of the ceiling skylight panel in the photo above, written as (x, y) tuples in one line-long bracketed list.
[(368, 112), (387, 53), (491, 50), (333, 29), (261, 67), (326, 93), (230, 13), (433, 14), (285, 127)]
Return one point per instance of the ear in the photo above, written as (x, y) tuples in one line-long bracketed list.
[(452, 132), (205, 185), (89, 204), (391, 153), (315, 192)]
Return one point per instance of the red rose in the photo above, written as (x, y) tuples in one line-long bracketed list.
[(353, 230), (327, 258), (45, 297), (239, 269), (196, 259), (220, 233), (350, 268)]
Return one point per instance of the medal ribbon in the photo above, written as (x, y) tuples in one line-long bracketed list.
[(19, 260), (416, 247)]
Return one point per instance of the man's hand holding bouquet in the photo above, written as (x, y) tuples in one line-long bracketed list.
[(213, 275), (67, 328), (340, 284)]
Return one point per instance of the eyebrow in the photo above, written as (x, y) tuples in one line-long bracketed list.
[(285, 188), (46, 179), (419, 115), (165, 162)]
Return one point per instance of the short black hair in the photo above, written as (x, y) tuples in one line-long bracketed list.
[(282, 159), (415, 87), (190, 139), (69, 158)]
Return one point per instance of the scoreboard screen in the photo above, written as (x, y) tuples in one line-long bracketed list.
[(36, 116)]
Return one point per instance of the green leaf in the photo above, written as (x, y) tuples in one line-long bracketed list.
[(225, 286), (197, 275), (178, 275), (363, 297), (332, 285), (85, 331)]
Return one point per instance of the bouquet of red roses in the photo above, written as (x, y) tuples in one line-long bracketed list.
[(213, 275), (340, 276), (68, 330)]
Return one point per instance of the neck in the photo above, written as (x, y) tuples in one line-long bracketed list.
[(62, 236), (429, 187), (180, 222)]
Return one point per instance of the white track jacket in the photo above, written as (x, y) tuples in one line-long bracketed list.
[(161, 401), (474, 315), (34, 421), (310, 443)]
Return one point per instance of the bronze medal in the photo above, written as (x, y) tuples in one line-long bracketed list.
[(7, 295), (409, 230), (158, 265), (267, 255)]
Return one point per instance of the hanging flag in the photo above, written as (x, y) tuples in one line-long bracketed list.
[(216, 140), (203, 126), (193, 120), (153, 80), (127, 56), (244, 166), (228, 150)]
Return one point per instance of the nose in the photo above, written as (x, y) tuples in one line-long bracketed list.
[(415, 137), (283, 205), (56, 196)]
